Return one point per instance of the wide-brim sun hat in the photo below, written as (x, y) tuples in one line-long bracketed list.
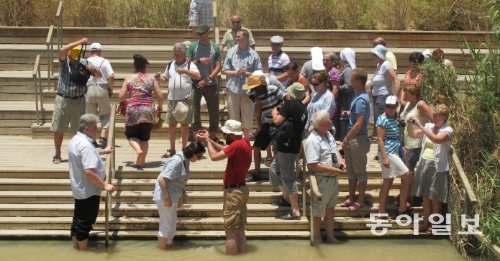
[(296, 90), (379, 51), (253, 82), (232, 127)]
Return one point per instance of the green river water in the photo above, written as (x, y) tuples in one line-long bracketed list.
[(258, 250)]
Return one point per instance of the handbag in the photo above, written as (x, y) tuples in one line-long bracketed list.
[(80, 75), (181, 109), (158, 121)]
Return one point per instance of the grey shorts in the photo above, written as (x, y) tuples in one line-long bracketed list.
[(67, 111), (329, 188), (282, 172), (356, 159)]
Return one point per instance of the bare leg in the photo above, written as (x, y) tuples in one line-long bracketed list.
[(329, 225), (294, 202), (384, 192), (246, 133), (317, 231), (193, 31), (184, 134), (144, 147), (231, 242), (361, 195), (352, 189), (404, 191), (83, 245), (58, 140), (284, 194), (436, 207), (426, 205), (171, 129), (136, 145), (269, 152), (75, 242), (242, 240), (162, 243)]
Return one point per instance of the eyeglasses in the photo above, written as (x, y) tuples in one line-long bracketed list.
[(315, 84)]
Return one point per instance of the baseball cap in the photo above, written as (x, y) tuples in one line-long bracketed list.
[(232, 127), (95, 47), (391, 100), (202, 29)]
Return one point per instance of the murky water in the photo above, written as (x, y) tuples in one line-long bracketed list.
[(258, 250)]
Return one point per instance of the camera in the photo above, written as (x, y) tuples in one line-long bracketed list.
[(401, 123)]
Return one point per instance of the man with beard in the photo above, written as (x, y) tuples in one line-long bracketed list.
[(239, 157)]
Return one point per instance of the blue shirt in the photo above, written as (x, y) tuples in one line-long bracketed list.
[(176, 171), (391, 138), (360, 104), (320, 102), (236, 59)]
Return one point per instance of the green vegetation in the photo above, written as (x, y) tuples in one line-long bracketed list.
[(476, 120), (299, 14)]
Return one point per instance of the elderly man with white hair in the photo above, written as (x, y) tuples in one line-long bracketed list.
[(325, 163)]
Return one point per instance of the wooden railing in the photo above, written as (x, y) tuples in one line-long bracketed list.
[(110, 173), (59, 24), (37, 85), (471, 199), (50, 54)]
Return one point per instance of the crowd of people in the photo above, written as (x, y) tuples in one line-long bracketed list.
[(324, 103)]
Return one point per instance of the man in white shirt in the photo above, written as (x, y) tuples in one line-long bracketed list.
[(100, 89), (180, 74), (87, 175)]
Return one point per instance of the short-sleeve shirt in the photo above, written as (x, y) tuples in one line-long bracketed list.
[(176, 172), (102, 65), (360, 105), (322, 150), (307, 70), (334, 74), (65, 85), (277, 63), (239, 158), (346, 91), (441, 151), (272, 98), (236, 59), (197, 50), (295, 114), (391, 138), (391, 58), (180, 86), (382, 85), (229, 39), (83, 155), (319, 102)]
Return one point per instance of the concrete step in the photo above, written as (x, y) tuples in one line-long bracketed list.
[(7, 184), (192, 197), (187, 210)]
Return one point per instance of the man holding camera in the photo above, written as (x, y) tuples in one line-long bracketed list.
[(69, 104)]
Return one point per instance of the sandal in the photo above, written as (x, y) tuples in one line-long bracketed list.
[(347, 203), (168, 154), (356, 206), (56, 159), (268, 162)]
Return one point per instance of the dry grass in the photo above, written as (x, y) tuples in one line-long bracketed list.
[(317, 14)]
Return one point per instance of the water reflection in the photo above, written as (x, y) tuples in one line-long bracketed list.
[(258, 250)]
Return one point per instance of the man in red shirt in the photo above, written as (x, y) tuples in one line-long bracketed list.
[(239, 157)]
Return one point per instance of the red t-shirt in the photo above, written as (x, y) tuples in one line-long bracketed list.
[(239, 158)]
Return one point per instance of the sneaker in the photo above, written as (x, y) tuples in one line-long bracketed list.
[(290, 216)]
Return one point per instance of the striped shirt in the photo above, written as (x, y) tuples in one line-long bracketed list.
[(391, 138), (277, 63), (272, 98), (65, 85), (247, 59)]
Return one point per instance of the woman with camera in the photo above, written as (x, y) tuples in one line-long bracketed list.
[(392, 165), (433, 171), (414, 107)]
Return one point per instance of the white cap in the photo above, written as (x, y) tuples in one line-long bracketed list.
[(317, 59), (232, 127), (277, 39), (391, 100), (96, 47)]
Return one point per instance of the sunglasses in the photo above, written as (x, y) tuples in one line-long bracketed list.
[(315, 83)]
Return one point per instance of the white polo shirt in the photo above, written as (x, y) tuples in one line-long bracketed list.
[(102, 65)]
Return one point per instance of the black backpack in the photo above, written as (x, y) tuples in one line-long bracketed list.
[(80, 75)]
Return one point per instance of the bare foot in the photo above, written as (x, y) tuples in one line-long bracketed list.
[(317, 242), (332, 241)]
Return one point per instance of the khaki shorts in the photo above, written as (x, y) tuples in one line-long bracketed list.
[(329, 189), (355, 157), (240, 108), (67, 111), (97, 99), (170, 109), (235, 208)]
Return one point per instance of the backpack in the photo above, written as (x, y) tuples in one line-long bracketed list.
[(80, 75)]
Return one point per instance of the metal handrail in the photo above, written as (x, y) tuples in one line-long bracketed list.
[(50, 54), (37, 85), (110, 173), (59, 23)]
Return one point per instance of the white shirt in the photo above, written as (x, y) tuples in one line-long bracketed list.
[(442, 150), (180, 86), (102, 65), (83, 155)]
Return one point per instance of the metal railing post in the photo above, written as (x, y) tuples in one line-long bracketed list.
[(110, 171), (50, 54), (36, 70)]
